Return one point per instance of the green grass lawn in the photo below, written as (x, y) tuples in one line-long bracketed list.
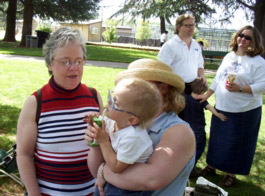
[(100, 53), (94, 52), (18, 79)]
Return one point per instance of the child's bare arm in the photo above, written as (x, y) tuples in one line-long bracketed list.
[(221, 116), (108, 153), (110, 157)]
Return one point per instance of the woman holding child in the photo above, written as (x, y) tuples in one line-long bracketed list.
[(168, 168), (233, 142)]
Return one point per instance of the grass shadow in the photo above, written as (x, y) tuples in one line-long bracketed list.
[(16, 49), (250, 185), (241, 188), (8, 121)]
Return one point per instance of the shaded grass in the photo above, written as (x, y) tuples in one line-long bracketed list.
[(10, 188), (14, 48)]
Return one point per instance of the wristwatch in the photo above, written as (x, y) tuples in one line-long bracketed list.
[(240, 90)]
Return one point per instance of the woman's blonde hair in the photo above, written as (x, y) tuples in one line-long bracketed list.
[(256, 43), (173, 100)]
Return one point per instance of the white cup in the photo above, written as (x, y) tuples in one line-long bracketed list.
[(231, 77)]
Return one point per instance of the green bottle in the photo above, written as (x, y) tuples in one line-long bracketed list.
[(97, 120)]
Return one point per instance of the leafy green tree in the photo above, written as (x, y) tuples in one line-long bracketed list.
[(164, 9), (143, 32), (110, 34), (254, 9), (10, 20), (195, 34), (58, 10), (3, 8), (205, 42)]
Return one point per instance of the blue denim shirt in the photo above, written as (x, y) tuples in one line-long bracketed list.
[(161, 124)]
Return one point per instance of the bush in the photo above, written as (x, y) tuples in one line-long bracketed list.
[(143, 31), (110, 34), (44, 28)]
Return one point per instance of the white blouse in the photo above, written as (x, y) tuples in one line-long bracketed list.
[(249, 71)]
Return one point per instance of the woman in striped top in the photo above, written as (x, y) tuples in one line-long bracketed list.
[(51, 150)]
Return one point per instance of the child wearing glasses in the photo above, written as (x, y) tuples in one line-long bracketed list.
[(123, 138)]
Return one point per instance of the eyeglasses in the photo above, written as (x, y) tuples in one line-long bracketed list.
[(188, 25), (247, 37), (111, 103), (67, 63)]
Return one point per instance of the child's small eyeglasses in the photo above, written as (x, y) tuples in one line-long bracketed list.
[(111, 103)]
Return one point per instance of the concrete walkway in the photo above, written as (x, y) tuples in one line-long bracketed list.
[(88, 62)]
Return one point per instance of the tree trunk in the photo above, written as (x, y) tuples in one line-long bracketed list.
[(10, 35), (27, 21), (259, 20), (162, 24)]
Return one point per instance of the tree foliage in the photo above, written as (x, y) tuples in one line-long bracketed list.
[(205, 42), (58, 10), (143, 31), (62, 10), (164, 9), (110, 34), (8, 10), (3, 9), (254, 9)]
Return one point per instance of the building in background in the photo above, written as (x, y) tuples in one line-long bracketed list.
[(219, 42), (91, 30), (219, 39)]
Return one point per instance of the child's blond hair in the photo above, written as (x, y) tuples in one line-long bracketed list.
[(145, 101)]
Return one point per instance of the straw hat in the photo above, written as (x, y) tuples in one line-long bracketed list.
[(152, 70)]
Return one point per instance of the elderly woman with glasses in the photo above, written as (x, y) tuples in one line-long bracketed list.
[(51, 150), (238, 87)]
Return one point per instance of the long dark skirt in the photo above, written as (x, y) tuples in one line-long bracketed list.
[(232, 143)]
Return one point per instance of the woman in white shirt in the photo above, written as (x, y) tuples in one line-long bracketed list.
[(233, 142)]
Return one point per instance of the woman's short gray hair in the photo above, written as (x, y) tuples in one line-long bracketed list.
[(60, 38)]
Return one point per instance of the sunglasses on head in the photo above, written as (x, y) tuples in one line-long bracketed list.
[(247, 37)]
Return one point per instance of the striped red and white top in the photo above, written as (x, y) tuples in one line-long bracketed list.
[(61, 151)]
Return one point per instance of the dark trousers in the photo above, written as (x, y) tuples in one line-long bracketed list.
[(200, 135)]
